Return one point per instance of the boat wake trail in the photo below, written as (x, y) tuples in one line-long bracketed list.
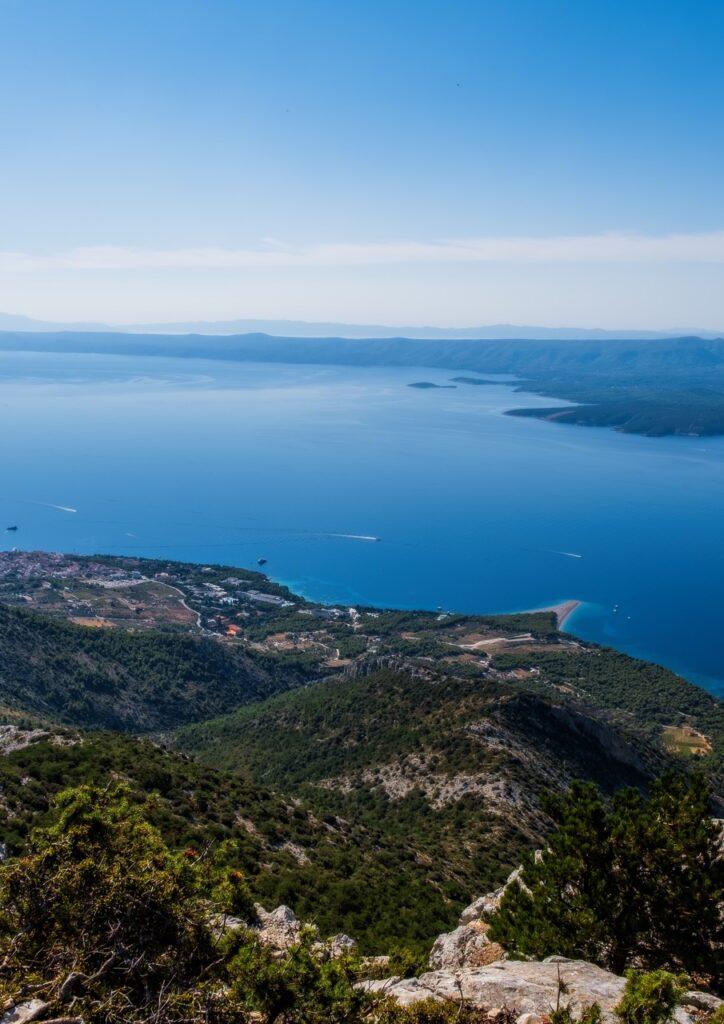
[(45, 504), (352, 536)]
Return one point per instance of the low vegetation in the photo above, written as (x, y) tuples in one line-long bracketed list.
[(103, 924)]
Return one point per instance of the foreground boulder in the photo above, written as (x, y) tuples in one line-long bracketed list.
[(523, 987), (466, 946)]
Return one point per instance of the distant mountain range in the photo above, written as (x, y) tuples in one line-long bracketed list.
[(305, 329), (654, 386)]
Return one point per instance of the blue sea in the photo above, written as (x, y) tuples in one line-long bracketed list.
[(476, 511)]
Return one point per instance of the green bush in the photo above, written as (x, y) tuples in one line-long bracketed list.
[(304, 987), (564, 1015), (407, 963), (99, 911), (650, 998)]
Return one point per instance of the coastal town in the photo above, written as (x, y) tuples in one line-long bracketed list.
[(244, 607)]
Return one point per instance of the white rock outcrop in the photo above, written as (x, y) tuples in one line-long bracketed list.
[(23, 1013), (483, 906), (520, 986), (339, 944), (280, 928), (466, 946)]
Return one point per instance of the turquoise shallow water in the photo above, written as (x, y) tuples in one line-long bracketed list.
[(475, 511)]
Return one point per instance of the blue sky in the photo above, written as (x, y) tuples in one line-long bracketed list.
[(405, 162)]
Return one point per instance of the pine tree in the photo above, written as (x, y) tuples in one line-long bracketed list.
[(634, 883)]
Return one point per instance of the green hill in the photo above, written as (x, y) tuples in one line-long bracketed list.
[(339, 874), (456, 765), (117, 679)]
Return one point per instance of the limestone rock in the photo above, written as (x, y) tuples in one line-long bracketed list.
[(23, 1013), (405, 991), (340, 944), (280, 928), (702, 1001), (520, 986), (480, 908), (372, 965), (465, 946), (486, 905)]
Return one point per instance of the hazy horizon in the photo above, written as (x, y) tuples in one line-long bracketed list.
[(10, 322)]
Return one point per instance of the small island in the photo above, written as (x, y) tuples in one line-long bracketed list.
[(426, 384)]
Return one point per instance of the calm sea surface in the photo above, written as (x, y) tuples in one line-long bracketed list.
[(475, 511)]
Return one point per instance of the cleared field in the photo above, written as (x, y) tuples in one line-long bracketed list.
[(684, 739)]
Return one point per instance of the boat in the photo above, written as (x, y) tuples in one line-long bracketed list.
[(11, 529), (261, 561)]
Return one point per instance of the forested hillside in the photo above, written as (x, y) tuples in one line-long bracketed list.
[(432, 758), (118, 679), (339, 873)]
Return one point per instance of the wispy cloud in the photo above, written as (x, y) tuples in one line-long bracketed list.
[(614, 247)]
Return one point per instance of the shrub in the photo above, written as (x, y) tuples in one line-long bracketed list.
[(435, 1011), (304, 987), (99, 896), (650, 998), (407, 963), (563, 1015)]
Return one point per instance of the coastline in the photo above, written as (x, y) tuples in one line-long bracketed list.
[(563, 610)]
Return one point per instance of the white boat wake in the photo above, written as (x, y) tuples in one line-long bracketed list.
[(60, 508), (352, 536), (47, 504)]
